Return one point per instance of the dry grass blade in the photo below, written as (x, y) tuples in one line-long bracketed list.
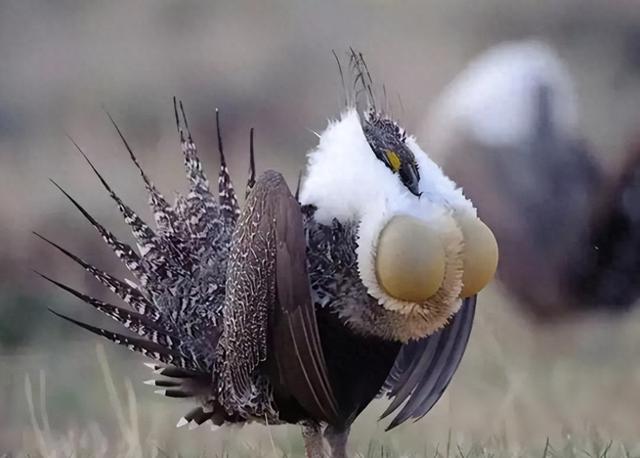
[(128, 429), (37, 430)]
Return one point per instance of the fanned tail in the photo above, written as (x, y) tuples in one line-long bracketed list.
[(180, 272)]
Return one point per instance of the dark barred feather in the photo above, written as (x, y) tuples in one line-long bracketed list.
[(228, 202), (147, 348), (192, 162), (156, 200), (251, 181), (123, 251), (141, 231), (128, 294), (135, 322)]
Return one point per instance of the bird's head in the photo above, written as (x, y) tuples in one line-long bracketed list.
[(388, 142), (421, 248)]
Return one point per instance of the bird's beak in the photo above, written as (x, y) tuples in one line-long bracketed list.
[(415, 190), (411, 178)]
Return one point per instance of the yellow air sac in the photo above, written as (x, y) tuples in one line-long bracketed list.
[(480, 255), (410, 261)]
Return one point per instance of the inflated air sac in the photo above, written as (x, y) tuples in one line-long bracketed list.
[(410, 259), (480, 255)]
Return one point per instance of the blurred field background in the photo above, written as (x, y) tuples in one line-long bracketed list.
[(268, 65)]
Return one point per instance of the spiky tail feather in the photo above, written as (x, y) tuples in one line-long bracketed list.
[(180, 272)]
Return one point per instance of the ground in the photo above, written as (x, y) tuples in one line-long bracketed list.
[(522, 390)]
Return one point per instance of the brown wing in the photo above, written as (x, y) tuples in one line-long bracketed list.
[(296, 342), (424, 368), (269, 316)]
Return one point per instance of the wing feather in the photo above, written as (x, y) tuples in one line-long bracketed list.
[(424, 368), (269, 316), (296, 335)]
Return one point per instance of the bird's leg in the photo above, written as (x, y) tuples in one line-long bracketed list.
[(313, 443), (337, 439)]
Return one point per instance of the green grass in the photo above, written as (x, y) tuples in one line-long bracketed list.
[(522, 391)]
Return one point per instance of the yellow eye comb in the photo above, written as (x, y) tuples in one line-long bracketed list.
[(394, 160)]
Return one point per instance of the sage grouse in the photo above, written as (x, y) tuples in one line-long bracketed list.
[(302, 309)]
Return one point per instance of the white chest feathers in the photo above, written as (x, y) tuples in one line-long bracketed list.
[(418, 256)]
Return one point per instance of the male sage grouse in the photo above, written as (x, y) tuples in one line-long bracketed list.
[(302, 309)]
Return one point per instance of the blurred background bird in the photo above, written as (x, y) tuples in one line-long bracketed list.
[(507, 129)]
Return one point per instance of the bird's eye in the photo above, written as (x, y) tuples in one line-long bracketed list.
[(393, 160)]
